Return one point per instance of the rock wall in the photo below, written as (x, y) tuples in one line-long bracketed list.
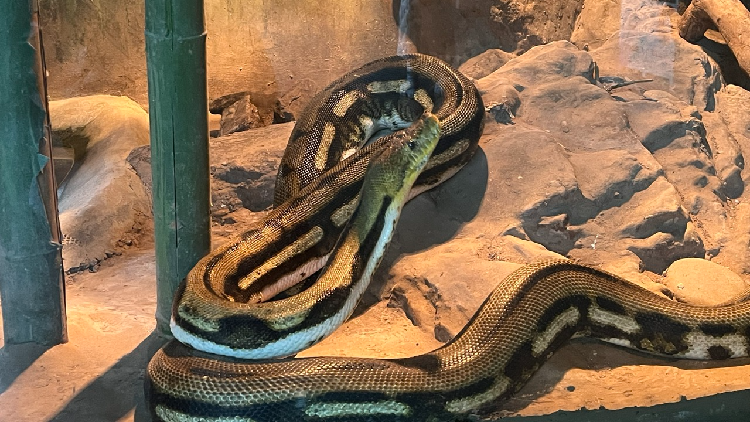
[(285, 49), (263, 47)]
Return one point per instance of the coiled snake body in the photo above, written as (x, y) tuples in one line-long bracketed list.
[(530, 314)]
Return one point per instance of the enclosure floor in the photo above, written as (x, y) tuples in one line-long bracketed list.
[(98, 374)]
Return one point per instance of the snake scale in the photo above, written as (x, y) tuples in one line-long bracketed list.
[(322, 210)]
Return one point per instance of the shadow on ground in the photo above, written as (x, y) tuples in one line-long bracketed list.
[(115, 388), (15, 359)]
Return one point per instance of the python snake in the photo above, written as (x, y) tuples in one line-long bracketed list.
[(530, 314)]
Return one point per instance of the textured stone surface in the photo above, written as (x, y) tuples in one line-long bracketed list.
[(485, 63), (239, 113), (675, 66), (103, 205), (637, 39), (703, 283), (600, 19)]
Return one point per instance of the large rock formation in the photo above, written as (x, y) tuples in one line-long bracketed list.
[(103, 205)]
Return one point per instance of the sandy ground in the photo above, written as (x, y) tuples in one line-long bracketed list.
[(97, 375)]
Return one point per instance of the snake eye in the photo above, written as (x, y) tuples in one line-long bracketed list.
[(411, 144)]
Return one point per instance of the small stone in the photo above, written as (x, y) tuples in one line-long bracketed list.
[(703, 283)]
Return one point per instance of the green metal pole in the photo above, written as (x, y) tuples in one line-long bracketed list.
[(178, 112), (32, 288)]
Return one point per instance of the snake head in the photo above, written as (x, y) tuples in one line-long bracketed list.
[(395, 169), (392, 173)]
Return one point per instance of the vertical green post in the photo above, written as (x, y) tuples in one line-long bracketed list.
[(178, 112), (32, 287)]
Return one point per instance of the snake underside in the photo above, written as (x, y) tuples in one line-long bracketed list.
[(520, 325)]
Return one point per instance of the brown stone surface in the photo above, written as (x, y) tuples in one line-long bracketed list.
[(103, 205), (242, 115), (483, 64), (730, 18), (611, 21), (716, 285)]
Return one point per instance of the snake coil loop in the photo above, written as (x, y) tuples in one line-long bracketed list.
[(320, 212)]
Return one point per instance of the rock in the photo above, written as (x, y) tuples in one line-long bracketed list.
[(440, 277), (482, 65), (243, 169), (675, 66), (628, 266), (715, 46), (519, 194), (727, 155), (733, 106), (501, 100), (703, 283), (733, 110), (659, 249), (599, 20), (140, 159), (674, 134), (532, 24), (561, 107), (591, 149), (240, 116), (217, 105), (243, 173), (102, 200), (510, 248), (543, 64), (238, 113), (610, 177), (639, 38), (281, 114)]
